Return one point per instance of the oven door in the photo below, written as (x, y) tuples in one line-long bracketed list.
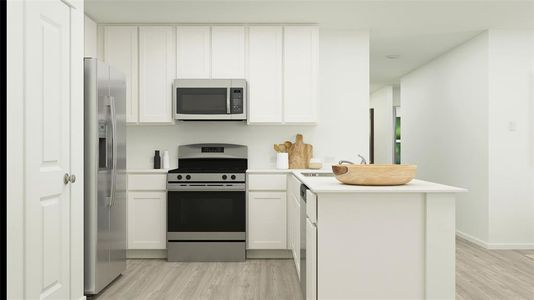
[(206, 215)]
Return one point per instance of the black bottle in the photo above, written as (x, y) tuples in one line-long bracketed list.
[(157, 160)]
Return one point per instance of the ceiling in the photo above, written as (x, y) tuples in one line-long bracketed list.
[(416, 31)]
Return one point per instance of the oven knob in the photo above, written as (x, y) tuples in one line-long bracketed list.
[(188, 177), (233, 177), (179, 177), (224, 177)]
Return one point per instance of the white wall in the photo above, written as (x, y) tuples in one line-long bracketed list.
[(467, 121), (444, 128), (342, 131), (382, 102), (511, 152), (396, 96), (90, 33)]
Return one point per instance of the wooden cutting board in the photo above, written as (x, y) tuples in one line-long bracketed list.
[(300, 154)]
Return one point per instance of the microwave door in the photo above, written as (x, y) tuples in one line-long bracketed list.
[(202, 103)]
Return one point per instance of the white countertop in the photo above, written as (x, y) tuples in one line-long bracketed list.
[(332, 185), (147, 171)]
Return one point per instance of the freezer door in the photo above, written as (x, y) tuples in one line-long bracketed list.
[(118, 235)]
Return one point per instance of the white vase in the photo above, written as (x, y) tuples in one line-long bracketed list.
[(166, 160), (282, 161)]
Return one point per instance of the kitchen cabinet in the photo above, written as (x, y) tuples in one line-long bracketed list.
[(147, 220), (121, 51), (301, 53), (264, 77), (228, 52), (156, 73), (193, 51), (311, 260), (267, 215), (147, 210)]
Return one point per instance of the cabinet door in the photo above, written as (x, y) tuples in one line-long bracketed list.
[(156, 73), (228, 52), (193, 52), (267, 220), (147, 218), (121, 52), (300, 73), (311, 261), (265, 74)]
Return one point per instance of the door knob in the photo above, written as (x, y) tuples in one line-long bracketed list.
[(69, 178)]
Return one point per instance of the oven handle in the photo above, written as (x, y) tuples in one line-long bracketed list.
[(204, 187)]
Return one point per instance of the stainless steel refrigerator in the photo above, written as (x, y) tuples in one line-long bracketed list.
[(105, 174)]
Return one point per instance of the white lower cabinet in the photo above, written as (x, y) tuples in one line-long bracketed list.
[(311, 260), (147, 220), (267, 220)]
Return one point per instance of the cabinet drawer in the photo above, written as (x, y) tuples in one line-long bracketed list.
[(147, 182), (267, 182)]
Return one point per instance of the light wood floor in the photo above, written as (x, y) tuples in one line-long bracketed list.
[(480, 274)]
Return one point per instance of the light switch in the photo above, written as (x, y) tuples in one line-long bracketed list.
[(512, 126)]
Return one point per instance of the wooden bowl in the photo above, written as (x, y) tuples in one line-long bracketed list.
[(374, 174)]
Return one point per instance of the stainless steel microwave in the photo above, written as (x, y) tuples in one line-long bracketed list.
[(210, 99)]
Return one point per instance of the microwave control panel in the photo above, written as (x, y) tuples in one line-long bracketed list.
[(236, 96)]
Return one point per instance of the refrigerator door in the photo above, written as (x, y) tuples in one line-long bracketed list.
[(118, 242)]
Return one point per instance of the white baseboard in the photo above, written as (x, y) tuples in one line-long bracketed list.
[(495, 246), (83, 298), (146, 253), (162, 254), (278, 254)]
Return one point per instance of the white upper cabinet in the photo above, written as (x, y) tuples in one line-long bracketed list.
[(265, 74), (193, 51), (301, 54), (156, 73), (120, 51), (228, 52)]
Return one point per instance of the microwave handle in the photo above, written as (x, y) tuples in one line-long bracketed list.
[(228, 100)]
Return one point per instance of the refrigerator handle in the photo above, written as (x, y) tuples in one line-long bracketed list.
[(113, 151)]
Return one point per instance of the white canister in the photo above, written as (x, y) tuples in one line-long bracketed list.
[(282, 160), (166, 160)]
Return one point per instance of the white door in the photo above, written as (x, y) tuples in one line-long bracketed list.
[(147, 220), (193, 52), (121, 52), (265, 74), (267, 220), (301, 52), (157, 69), (228, 52), (47, 152)]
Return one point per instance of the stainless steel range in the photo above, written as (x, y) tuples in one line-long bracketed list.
[(206, 204)]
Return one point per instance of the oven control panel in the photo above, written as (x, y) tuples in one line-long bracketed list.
[(203, 177)]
